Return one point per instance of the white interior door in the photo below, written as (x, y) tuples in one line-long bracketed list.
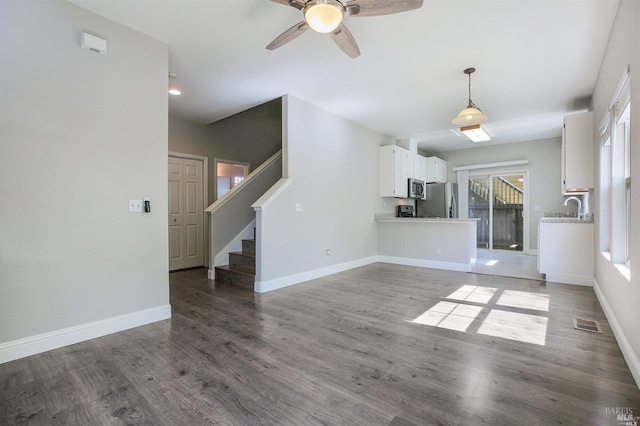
[(186, 206)]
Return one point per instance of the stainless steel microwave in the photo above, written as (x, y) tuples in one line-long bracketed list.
[(416, 188)]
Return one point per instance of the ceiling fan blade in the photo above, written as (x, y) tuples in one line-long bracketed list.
[(345, 41), (298, 4), (381, 7), (288, 35)]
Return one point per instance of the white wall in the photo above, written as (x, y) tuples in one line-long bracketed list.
[(81, 134), (544, 167), (620, 298), (333, 166)]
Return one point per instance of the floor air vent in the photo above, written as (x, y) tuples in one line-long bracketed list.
[(586, 325)]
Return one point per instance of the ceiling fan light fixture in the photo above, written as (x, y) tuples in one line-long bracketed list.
[(471, 115), (476, 133), (323, 16)]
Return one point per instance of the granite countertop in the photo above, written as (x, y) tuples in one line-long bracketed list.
[(561, 217), (390, 217), (564, 220)]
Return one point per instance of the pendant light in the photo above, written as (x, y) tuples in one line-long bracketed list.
[(471, 115)]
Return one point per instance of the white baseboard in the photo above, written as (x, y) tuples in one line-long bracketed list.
[(277, 283), (570, 279), (449, 266), (32, 345), (274, 284), (532, 252), (627, 351)]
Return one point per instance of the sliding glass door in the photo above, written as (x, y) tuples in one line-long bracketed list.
[(498, 201)]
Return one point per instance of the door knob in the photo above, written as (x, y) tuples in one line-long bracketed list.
[(175, 220)]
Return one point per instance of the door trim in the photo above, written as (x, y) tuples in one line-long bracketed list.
[(205, 197)]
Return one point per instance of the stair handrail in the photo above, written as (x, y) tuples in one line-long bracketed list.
[(506, 193), (271, 194), (503, 180), (240, 186)]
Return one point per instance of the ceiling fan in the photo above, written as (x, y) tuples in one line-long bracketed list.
[(325, 16)]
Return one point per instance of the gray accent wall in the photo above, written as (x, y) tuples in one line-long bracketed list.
[(81, 133), (544, 172), (619, 297), (250, 136)]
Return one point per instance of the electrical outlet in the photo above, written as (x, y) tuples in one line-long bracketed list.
[(298, 207), (438, 251), (327, 252)]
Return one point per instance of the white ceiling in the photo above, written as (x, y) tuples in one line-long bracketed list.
[(536, 60)]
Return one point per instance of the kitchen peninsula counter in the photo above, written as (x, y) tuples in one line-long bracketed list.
[(439, 243), (423, 219)]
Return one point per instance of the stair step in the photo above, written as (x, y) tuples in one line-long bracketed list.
[(249, 247), (225, 274), (243, 262)]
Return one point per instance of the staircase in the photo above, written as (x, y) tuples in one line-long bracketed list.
[(504, 192), (241, 270)]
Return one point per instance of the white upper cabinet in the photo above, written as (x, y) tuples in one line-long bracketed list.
[(394, 171), (577, 153), (397, 165), (436, 170), (417, 167), (421, 168)]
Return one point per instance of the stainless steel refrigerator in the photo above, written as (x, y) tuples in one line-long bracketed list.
[(441, 200)]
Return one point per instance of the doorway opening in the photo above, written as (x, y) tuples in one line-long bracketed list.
[(229, 173), (498, 201)]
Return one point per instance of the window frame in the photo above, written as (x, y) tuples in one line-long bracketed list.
[(615, 179)]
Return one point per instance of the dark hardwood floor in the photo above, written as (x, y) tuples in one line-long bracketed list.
[(341, 350)]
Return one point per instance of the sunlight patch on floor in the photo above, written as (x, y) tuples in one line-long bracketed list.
[(523, 327), (515, 326), (491, 262), (472, 293), (452, 316), (524, 300)]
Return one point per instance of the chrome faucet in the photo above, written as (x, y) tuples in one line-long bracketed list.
[(577, 200)]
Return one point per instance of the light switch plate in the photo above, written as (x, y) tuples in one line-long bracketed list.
[(298, 207), (135, 206)]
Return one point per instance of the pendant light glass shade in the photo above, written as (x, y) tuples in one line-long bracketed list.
[(471, 115), (323, 16)]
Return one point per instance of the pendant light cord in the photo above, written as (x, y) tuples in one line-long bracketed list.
[(471, 104)]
